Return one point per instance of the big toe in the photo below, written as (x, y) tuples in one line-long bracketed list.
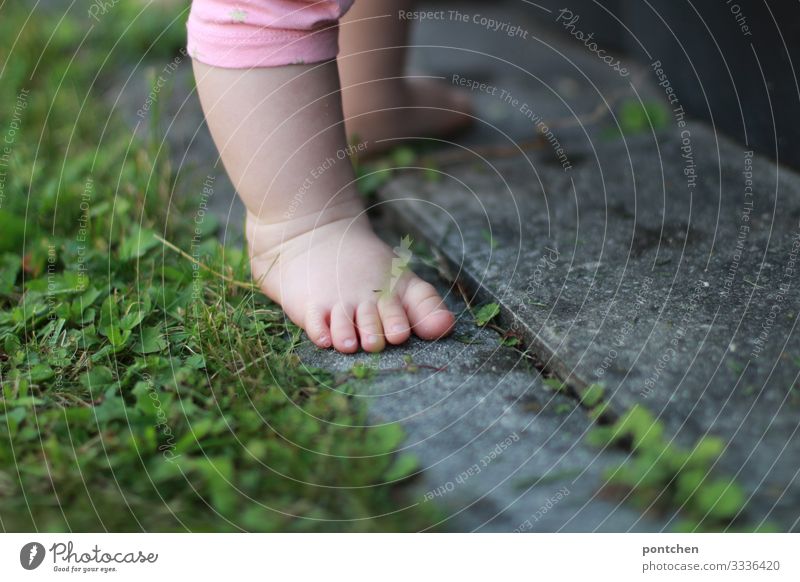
[(429, 317)]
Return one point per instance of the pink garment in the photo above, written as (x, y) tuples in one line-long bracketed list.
[(264, 33)]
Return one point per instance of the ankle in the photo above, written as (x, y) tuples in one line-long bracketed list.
[(266, 234)]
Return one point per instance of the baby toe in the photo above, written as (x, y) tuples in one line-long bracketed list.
[(429, 317), (316, 326), (396, 328), (343, 331), (370, 330)]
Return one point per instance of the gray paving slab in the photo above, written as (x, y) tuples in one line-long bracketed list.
[(499, 450), (669, 276)]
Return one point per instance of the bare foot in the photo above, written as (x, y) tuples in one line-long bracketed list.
[(337, 280), (403, 108)]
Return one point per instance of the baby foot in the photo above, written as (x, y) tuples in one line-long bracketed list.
[(337, 280), (403, 108)]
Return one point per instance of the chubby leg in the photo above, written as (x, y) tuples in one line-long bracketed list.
[(380, 100), (280, 134)]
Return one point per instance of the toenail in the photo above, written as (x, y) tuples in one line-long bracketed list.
[(349, 343), (399, 328), (372, 339), (324, 340)]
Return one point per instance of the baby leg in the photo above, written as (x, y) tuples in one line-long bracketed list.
[(280, 134), (381, 102)]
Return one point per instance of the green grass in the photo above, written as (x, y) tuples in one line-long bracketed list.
[(140, 390), (634, 117), (663, 476), (659, 474)]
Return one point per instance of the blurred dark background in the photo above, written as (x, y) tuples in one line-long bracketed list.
[(733, 63)]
